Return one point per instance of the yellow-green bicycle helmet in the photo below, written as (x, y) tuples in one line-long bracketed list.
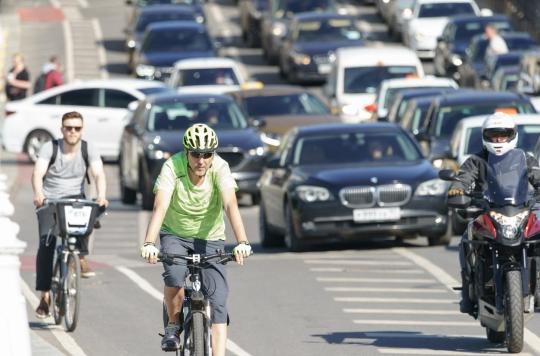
[(200, 138)]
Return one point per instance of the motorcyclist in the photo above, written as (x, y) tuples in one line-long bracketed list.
[(499, 137)]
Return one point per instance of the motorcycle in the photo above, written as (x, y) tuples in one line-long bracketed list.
[(502, 248)]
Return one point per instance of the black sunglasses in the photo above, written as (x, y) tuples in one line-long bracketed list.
[(71, 128), (198, 155)]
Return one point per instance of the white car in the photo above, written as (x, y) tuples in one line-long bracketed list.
[(426, 21), (467, 137), (357, 72), (31, 122), (208, 75), (391, 87)]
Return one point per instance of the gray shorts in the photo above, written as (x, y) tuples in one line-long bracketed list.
[(214, 278)]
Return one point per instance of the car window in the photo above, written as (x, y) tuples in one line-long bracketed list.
[(468, 30), (149, 18), (288, 104), (375, 147), (329, 30), (448, 116), (154, 90), (391, 93), (527, 138), (80, 97), (287, 8), (177, 40), (444, 9), (52, 100), (367, 79), (207, 76), (181, 115), (117, 99)]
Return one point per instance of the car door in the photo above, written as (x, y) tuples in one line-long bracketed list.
[(113, 117)]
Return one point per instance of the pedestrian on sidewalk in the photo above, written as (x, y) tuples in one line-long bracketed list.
[(60, 172), (51, 75), (17, 79)]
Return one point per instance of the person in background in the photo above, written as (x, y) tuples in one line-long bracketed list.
[(52, 70), (497, 44), (17, 79)]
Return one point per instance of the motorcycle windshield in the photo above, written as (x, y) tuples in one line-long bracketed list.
[(507, 179)]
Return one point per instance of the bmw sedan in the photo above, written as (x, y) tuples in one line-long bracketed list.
[(155, 133), (342, 182)]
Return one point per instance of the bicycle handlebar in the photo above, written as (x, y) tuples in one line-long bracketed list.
[(169, 258)]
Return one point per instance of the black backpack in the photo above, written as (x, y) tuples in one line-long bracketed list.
[(84, 151), (39, 84)]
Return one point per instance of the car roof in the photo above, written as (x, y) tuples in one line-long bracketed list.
[(473, 96), (206, 62), (315, 15), (165, 25), (376, 55), (414, 92), (178, 97), (347, 128), (156, 9), (411, 82), (459, 19), (269, 90), (505, 35)]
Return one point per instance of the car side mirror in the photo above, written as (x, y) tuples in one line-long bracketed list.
[(273, 163)]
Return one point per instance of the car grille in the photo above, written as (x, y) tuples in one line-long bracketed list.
[(384, 195), (234, 159), (321, 59)]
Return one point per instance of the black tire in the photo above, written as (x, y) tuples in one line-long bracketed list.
[(57, 304), (255, 199), (146, 193), (72, 291), (291, 238), (34, 141), (198, 334), (495, 337), (268, 237), (441, 240), (513, 311)]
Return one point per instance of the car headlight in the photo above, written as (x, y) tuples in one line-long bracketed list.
[(432, 187), (300, 58), (510, 225), (331, 57), (199, 19), (456, 60), (279, 29), (131, 44), (311, 193), (157, 154), (259, 151), (349, 109), (270, 139), (437, 163), (144, 70)]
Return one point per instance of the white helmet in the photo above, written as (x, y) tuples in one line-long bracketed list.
[(499, 133)]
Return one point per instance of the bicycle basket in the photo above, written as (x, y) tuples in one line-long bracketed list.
[(76, 218)]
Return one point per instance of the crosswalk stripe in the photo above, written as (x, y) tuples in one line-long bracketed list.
[(390, 290), (377, 280), (400, 311), (395, 300), (412, 351), (370, 271), (359, 262), (416, 322)]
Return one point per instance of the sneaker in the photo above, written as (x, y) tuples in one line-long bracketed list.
[(171, 339), (86, 272), (42, 310)]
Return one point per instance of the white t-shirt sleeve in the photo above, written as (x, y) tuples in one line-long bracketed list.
[(166, 179), (498, 45)]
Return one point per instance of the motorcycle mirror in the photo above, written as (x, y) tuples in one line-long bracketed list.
[(447, 174)]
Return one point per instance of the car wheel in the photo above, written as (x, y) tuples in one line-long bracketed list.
[(255, 198), (292, 241), (34, 141), (127, 195), (268, 237), (441, 240), (146, 193)]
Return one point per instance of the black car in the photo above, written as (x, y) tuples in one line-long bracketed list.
[(251, 12), (344, 182), (457, 34), (415, 113), (448, 109), (308, 51), (502, 60), (164, 43), (155, 133), (147, 15), (398, 106), (473, 70)]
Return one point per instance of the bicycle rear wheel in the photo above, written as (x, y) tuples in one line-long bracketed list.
[(72, 292), (57, 304)]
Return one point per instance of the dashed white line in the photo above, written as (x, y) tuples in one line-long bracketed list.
[(367, 271), (400, 311), (359, 262), (394, 300), (375, 280), (385, 290)]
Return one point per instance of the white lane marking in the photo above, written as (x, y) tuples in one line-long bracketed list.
[(395, 300), (400, 311), (148, 288), (530, 338), (416, 322), (370, 271), (358, 262), (68, 43), (63, 338), (405, 335), (102, 57), (390, 290), (377, 280), (403, 351)]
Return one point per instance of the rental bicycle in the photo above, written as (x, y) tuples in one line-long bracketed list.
[(195, 314), (74, 219)]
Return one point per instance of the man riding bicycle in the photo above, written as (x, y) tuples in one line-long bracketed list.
[(60, 172), (192, 191)]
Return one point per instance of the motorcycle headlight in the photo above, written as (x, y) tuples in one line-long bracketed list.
[(199, 19), (509, 224), (279, 29), (144, 70), (311, 193), (300, 58), (432, 187)]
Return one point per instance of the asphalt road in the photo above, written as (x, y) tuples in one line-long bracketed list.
[(366, 298)]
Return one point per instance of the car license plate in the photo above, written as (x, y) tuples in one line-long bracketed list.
[(376, 214), (324, 68)]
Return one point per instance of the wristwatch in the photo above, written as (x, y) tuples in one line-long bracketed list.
[(245, 242)]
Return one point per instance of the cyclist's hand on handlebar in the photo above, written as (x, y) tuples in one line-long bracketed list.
[(39, 200), (149, 253), (241, 251), (455, 192), (102, 202)]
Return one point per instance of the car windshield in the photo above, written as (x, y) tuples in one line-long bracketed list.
[(468, 30), (177, 40), (287, 8), (328, 30), (147, 19), (391, 93), (445, 9), (449, 116), (154, 90), (166, 2), (207, 76), (286, 104), (181, 115), (367, 79), (355, 147), (528, 135)]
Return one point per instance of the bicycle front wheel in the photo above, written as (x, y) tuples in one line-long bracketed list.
[(71, 291), (57, 304), (198, 334)]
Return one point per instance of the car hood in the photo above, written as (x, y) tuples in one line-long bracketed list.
[(282, 123), (338, 176), (324, 47), (432, 26), (167, 59), (171, 141)]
